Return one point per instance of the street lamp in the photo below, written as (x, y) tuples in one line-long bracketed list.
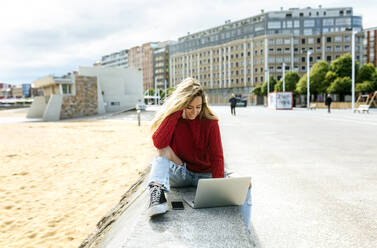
[(353, 69), (307, 79), (283, 77)]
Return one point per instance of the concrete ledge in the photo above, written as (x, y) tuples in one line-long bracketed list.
[(103, 226), (127, 225)]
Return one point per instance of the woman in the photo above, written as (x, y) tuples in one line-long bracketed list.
[(187, 136)]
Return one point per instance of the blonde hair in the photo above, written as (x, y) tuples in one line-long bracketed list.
[(185, 92)]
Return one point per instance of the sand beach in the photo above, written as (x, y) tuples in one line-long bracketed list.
[(57, 179)]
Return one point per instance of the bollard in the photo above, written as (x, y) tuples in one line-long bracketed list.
[(138, 118)]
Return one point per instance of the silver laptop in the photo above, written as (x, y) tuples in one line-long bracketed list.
[(218, 192)]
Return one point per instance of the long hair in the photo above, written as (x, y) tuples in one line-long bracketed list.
[(185, 92)]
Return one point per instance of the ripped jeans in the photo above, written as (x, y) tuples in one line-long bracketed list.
[(166, 173)]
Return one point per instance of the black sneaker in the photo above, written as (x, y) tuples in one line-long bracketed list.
[(158, 203)]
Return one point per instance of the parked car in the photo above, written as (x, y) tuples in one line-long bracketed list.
[(241, 101)]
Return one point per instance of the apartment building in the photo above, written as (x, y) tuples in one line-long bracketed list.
[(236, 56), (161, 65), (370, 45), (117, 59)]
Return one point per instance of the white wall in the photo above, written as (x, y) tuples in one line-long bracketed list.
[(120, 85)]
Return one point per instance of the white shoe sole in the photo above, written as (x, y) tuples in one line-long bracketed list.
[(158, 209)]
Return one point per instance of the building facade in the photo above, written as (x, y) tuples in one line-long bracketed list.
[(117, 59), (236, 56), (370, 45), (161, 65)]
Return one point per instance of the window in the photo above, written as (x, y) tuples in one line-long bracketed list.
[(287, 41), (302, 41), (309, 23), (338, 38), (318, 40), (67, 89), (310, 41), (328, 58), (328, 22), (303, 59), (328, 39)]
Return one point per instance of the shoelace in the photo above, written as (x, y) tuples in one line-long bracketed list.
[(155, 193)]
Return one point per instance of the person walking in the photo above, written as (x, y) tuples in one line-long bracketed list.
[(233, 103), (328, 102), (187, 137)]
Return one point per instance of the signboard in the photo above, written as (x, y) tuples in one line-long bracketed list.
[(280, 100)]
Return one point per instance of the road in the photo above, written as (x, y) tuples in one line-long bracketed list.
[(314, 174)]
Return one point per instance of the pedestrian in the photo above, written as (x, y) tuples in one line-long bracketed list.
[(187, 137), (233, 103), (328, 102)]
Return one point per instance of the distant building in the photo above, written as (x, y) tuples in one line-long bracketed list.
[(135, 57), (17, 91), (118, 88), (370, 45), (236, 56), (89, 91), (5, 90), (161, 65), (117, 59), (26, 90)]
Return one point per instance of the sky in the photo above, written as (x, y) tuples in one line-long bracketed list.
[(43, 37)]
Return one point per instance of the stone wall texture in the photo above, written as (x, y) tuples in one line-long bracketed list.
[(84, 102)]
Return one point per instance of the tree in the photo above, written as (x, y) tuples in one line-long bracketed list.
[(258, 90), (170, 91), (365, 87), (317, 81), (329, 78), (272, 86), (365, 73), (341, 86), (342, 66), (317, 77), (291, 79)]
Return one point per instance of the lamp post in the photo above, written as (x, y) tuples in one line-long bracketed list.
[(268, 83), (283, 77), (353, 69), (307, 79)]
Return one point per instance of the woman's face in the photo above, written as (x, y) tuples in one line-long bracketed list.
[(194, 108)]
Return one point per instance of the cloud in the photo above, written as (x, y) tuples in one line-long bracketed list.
[(42, 37)]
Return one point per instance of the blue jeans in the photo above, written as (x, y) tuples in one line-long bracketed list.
[(167, 173)]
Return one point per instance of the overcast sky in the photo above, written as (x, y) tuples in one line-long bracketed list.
[(41, 37)]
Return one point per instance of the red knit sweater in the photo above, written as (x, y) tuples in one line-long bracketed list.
[(196, 142)]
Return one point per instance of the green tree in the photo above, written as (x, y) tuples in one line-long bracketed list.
[(341, 86), (365, 87), (342, 66), (272, 86), (365, 73), (149, 92), (317, 77), (329, 78), (258, 90), (170, 91), (317, 81), (291, 79)]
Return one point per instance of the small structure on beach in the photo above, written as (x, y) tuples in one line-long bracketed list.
[(90, 91)]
